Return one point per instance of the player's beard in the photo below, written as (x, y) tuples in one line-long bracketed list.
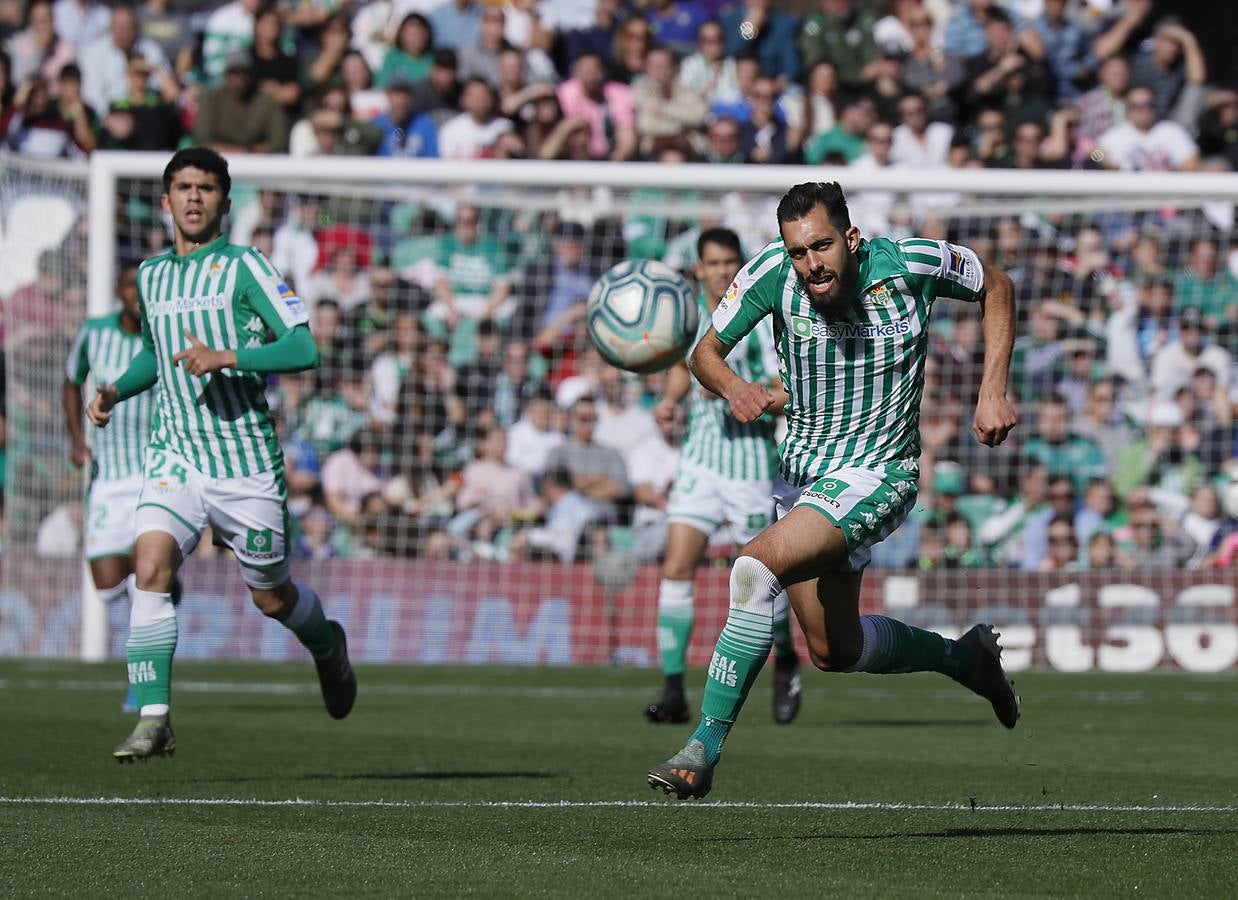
[(841, 295)]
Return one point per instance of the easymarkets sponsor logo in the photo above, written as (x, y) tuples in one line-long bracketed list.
[(804, 327)]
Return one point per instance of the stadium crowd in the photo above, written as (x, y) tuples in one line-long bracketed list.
[(460, 411)]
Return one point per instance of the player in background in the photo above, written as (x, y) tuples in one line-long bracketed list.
[(216, 319), (851, 321), (724, 485), (105, 346)]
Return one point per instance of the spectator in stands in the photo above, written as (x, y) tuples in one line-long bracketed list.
[(709, 72), (886, 87), (393, 365), (723, 141), (1214, 416), (329, 418), (596, 36), (37, 49), (552, 289), (81, 21), (493, 494), (411, 55), (406, 130), (1142, 143), (991, 145), (349, 475), (765, 138), (1008, 74), (1159, 460), (1025, 146), (1103, 553), (275, 72), (676, 24), (230, 28), (812, 112), (842, 32), (1002, 534), (342, 280), (1157, 543), (569, 513), (894, 29), (936, 76), (606, 105), (845, 141), (480, 57), (1175, 364), (664, 108), (143, 119), (1206, 524), (870, 210), (1061, 452), (1036, 361), (474, 132), (1175, 70), (1068, 52), (456, 23), (1218, 127), (390, 298), (514, 384), (518, 95), (1101, 422), (105, 62), (473, 270), (34, 124), (236, 117), (756, 28), (1203, 285), (919, 143), (1063, 549), (533, 436), (1102, 107), (626, 59), (173, 31), (1098, 512), (597, 472), (622, 423)]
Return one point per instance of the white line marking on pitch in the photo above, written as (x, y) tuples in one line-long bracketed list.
[(604, 804)]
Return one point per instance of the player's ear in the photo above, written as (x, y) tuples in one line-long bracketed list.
[(853, 239)]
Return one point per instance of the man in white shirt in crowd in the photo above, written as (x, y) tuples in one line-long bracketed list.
[(1143, 144)]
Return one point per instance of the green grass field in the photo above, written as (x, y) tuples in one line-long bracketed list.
[(506, 782)]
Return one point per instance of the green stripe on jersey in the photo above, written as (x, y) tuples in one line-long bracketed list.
[(855, 379), (743, 452), (228, 297), (104, 349)]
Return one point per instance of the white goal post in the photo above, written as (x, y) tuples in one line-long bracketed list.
[(741, 197)]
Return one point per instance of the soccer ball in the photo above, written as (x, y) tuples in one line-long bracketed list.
[(642, 316)]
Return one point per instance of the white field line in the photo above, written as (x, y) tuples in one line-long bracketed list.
[(608, 804), (536, 691)]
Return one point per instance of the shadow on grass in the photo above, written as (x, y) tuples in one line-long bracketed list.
[(998, 831), (443, 775)]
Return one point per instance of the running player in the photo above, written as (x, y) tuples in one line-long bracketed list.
[(851, 322), (724, 484), (106, 346), (216, 318)]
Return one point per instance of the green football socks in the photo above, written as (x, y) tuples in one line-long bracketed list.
[(151, 644), (891, 646), (675, 612), (308, 622)]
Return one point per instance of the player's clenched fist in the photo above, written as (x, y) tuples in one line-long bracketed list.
[(995, 417), (199, 359), (749, 401), (100, 409)]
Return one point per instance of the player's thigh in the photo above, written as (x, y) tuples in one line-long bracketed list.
[(250, 515), (171, 506), (748, 507), (156, 557), (798, 547), (685, 545), (110, 509), (828, 610)]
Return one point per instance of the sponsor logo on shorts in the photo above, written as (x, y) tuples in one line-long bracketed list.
[(757, 520), (260, 544), (805, 328)]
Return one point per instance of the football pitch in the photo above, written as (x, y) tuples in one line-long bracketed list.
[(530, 781)]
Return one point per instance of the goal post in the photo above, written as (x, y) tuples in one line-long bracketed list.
[(429, 595)]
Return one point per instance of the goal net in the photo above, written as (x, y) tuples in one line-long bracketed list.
[(445, 298)]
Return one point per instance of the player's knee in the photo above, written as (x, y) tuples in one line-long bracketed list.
[(678, 570), (154, 572)]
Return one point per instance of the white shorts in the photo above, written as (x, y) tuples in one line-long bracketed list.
[(110, 506), (738, 509), (867, 505), (250, 514)]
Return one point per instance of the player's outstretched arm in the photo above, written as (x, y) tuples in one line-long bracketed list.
[(995, 412), (708, 363)]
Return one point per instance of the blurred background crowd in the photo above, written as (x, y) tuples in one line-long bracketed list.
[(460, 412)]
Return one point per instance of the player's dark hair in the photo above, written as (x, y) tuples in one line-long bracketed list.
[(804, 198), (723, 237), (203, 158)]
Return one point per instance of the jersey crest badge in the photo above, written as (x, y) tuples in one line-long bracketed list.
[(879, 295)]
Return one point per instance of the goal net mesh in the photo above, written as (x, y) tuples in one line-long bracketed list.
[(454, 356)]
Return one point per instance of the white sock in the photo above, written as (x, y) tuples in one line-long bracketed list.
[(110, 595)]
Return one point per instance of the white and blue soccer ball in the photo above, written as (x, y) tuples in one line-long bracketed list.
[(642, 316)]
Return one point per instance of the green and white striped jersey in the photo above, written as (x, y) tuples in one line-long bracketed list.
[(745, 452), (228, 297), (106, 349), (856, 379)]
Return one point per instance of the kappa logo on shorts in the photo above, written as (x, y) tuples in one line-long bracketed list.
[(757, 520), (260, 543)]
